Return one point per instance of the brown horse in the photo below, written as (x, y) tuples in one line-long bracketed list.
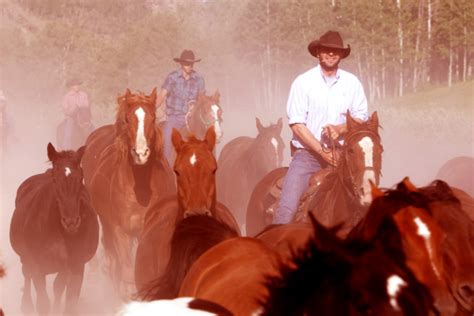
[(125, 174), (244, 161), (344, 193), (195, 169), (459, 172), (327, 276), (54, 229), (421, 238), (204, 113)]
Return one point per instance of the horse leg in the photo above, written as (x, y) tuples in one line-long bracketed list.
[(26, 301), (123, 245), (42, 300), (74, 286), (58, 287)]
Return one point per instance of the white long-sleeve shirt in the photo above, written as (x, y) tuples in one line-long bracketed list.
[(316, 102)]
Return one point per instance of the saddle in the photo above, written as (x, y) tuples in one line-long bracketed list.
[(274, 194)]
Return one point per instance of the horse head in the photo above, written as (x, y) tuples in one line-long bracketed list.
[(195, 168), (362, 157), (420, 239), (331, 276), (269, 140), (205, 113), (68, 185), (135, 126)]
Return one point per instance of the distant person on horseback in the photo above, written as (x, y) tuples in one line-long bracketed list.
[(77, 113), (6, 123), (181, 89), (316, 108)]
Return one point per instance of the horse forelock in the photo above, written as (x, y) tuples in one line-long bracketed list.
[(121, 126)]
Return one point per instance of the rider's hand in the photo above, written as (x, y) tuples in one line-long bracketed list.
[(330, 158), (332, 131)]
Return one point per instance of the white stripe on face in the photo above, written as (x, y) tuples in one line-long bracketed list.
[(394, 285), (424, 232), (67, 171), (193, 159), (275, 145), (217, 125), (367, 147), (141, 143)]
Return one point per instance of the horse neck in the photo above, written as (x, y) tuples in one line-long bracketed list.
[(195, 124)]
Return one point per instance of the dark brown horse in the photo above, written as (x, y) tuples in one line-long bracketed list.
[(181, 219), (344, 194), (54, 229), (327, 276), (125, 174), (243, 162)]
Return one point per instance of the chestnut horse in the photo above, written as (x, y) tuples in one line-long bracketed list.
[(179, 219), (244, 161), (54, 229), (327, 276), (125, 174), (204, 113), (343, 195)]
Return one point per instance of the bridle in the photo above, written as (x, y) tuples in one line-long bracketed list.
[(351, 189), (206, 122)]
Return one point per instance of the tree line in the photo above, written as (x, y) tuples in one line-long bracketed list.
[(251, 50)]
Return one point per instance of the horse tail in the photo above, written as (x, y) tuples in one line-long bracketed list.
[(191, 238)]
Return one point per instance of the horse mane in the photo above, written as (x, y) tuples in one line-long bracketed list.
[(191, 238), (121, 140)]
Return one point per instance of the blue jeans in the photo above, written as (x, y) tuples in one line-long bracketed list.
[(172, 121), (302, 167)]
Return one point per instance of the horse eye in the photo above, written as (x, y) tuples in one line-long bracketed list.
[(176, 172), (350, 151)]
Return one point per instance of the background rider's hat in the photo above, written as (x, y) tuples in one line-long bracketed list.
[(330, 39), (73, 82), (187, 56)]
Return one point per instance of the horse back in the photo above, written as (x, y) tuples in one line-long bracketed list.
[(222, 274)]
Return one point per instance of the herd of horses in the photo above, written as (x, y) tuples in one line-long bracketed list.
[(174, 236)]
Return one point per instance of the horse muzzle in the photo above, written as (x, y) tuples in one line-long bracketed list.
[(140, 156)]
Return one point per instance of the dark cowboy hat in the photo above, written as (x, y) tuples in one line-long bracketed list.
[(330, 39), (73, 82), (186, 56)]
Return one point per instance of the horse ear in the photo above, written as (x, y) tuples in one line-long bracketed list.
[(374, 120), (52, 153), (176, 139), (350, 122), (407, 185), (80, 153), (259, 125), (323, 237), (280, 125), (128, 93), (210, 138), (376, 192), (217, 96), (153, 95)]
